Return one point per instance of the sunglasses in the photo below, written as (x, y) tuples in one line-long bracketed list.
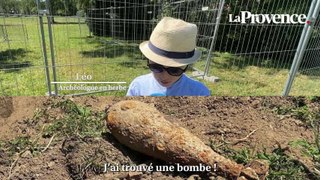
[(173, 71)]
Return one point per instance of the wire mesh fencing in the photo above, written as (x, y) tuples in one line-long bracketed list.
[(311, 63), (308, 61), (254, 57), (97, 50), (21, 62)]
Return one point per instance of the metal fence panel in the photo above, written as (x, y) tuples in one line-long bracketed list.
[(253, 58), (309, 65), (21, 63)]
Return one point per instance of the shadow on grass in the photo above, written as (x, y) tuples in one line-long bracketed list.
[(108, 48), (134, 64), (228, 60), (71, 23), (111, 51), (81, 38), (104, 52), (11, 60)]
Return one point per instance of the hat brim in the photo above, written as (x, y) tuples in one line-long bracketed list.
[(146, 51)]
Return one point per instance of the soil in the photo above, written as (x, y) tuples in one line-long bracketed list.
[(238, 122)]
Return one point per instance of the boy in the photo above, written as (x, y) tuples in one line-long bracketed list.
[(170, 50)]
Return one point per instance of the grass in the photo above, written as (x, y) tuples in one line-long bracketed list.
[(79, 121), (254, 80), (76, 122), (76, 52), (311, 118), (280, 165), (308, 149), (19, 145)]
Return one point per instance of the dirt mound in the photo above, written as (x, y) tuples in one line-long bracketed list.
[(67, 138)]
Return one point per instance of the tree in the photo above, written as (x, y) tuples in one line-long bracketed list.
[(84, 5), (9, 6), (28, 7)]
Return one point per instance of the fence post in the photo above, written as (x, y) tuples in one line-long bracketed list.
[(216, 28), (49, 18), (305, 37), (44, 49), (6, 36)]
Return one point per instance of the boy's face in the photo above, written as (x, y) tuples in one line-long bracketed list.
[(164, 78)]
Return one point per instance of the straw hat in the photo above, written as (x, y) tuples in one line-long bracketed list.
[(172, 43)]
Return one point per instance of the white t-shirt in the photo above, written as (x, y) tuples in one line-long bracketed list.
[(147, 85)]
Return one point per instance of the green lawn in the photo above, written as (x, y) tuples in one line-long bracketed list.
[(256, 81), (76, 52)]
